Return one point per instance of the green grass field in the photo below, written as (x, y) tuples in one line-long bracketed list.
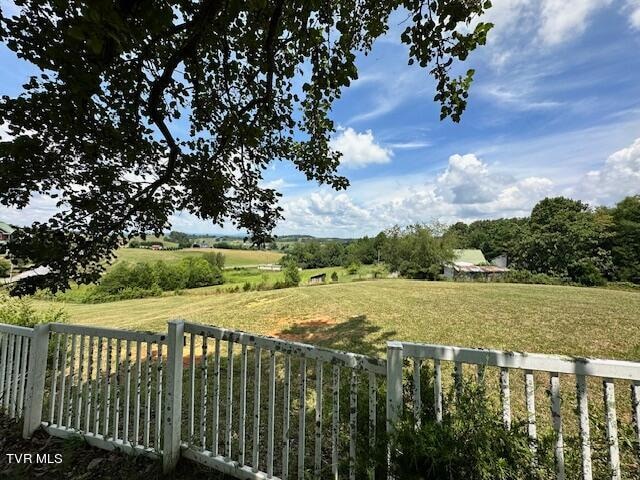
[(535, 318), (233, 257)]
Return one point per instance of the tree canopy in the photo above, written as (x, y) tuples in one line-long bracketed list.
[(253, 81)]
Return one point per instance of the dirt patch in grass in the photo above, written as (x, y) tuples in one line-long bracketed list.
[(316, 329), (353, 335)]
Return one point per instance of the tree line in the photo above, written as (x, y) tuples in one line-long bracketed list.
[(564, 239)]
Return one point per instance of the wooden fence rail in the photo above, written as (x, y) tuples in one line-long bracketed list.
[(257, 407)]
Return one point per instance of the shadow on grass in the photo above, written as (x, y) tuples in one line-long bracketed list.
[(356, 335)]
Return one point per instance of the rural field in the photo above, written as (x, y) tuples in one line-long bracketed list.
[(360, 316), (234, 258)]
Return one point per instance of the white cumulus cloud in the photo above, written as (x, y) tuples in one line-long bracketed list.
[(618, 177), (324, 211), (633, 7), (562, 20), (359, 149), (466, 189)]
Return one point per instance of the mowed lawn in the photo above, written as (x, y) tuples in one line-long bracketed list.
[(535, 318), (232, 257)]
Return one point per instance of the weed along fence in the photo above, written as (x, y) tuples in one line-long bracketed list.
[(530, 369), (257, 407)]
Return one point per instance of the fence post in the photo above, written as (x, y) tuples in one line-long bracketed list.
[(394, 383), (173, 396), (394, 389), (34, 395)]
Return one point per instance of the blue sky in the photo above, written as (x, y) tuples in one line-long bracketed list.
[(554, 110)]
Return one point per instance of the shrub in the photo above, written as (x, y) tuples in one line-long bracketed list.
[(525, 276), (126, 281), (379, 271), (128, 293), (116, 279), (215, 259), (142, 276), (19, 311), (470, 442), (291, 275), (334, 277), (5, 267), (199, 273), (586, 273), (353, 268), (246, 287), (170, 276)]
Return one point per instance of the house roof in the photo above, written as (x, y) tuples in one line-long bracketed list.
[(470, 268), (5, 227), (469, 255)]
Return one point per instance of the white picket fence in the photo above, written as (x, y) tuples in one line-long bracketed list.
[(252, 406), (15, 343)]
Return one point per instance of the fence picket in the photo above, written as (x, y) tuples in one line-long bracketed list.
[(147, 403), (271, 412), (302, 417), (353, 423), (203, 393), (530, 393), (585, 442), (557, 424), (127, 392), (4, 343), (54, 380), (215, 414), (229, 413), (612, 428), (107, 387), (9, 381), (23, 374), (373, 409), (437, 389), (13, 400), (98, 390), (417, 399), (158, 430), (116, 391), (335, 421), (256, 408), (317, 465), (192, 386), (63, 376), (80, 389), (88, 398), (505, 394), (73, 391), (635, 405), (286, 401), (136, 401), (243, 406)]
